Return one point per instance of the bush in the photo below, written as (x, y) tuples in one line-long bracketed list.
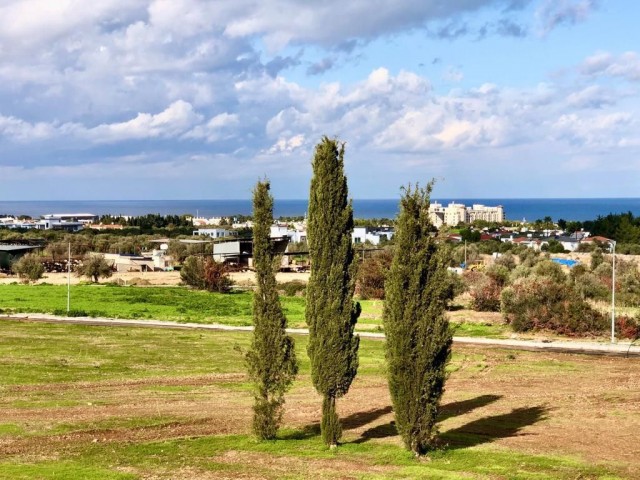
[(216, 277), (484, 290), (548, 268), (192, 272), (627, 327), (372, 274), (507, 260), (293, 288), (206, 274), (589, 286), (29, 268), (535, 303)]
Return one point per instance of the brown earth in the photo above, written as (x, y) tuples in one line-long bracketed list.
[(154, 278), (539, 403)]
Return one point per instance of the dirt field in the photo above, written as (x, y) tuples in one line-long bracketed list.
[(584, 407)]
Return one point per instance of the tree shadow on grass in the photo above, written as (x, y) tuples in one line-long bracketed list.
[(360, 419), (489, 429), (354, 420), (449, 410), (306, 432), (455, 409)]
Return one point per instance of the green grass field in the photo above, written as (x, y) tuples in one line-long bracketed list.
[(131, 403), (182, 305)]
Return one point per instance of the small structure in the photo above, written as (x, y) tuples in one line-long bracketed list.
[(371, 235), (239, 252), (215, 232), (12, 253)]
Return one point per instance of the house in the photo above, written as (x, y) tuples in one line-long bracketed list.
[(130, 263), (215, 232), (373, 235), (296, 235)]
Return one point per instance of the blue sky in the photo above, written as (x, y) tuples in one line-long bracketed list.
[(191, 99)]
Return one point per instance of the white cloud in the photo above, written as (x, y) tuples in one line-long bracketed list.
[(287, 145), (21, 131), (173, 121), (215, 129), (626, 65)]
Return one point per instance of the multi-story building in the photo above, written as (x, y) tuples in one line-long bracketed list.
[(456, 213)]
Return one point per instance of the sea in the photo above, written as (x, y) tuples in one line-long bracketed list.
[(529, 209)]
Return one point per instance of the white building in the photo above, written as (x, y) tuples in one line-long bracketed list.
[(296, 235), (456, 213), (215, 232), (371, 235)]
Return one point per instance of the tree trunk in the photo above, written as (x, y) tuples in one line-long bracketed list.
[(331, 430)]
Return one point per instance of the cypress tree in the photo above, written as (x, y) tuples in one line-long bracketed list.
[(418, 343), (271, 360), (331, 313)]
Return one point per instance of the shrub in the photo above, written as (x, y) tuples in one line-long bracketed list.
[(548, 268), (216, 277), (29, 268), (372, 274), (206, 274), (535, 303), (627, 327), (589, 286), (293, 288), (596, 258), (192, 272), (484, 290), (507, 260)]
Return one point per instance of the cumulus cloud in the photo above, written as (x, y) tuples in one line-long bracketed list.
[(19, 130), (215, 129), (173, 121), (626, 65)]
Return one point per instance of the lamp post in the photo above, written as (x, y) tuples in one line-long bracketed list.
[(613, 291)]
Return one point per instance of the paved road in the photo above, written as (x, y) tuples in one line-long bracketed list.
[(590, 348)]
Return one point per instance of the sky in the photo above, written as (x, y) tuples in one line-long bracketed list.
[(199, 99)]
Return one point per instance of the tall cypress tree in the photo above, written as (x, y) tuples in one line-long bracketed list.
[(271, 360), (331, 313), (418, 343)]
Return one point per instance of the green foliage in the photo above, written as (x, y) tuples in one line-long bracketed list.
[(507, 260), (372, 273), (485, 289), (469, 235), (192, 272), (206, 274), (29, 268), (272, 360), (553, 246), (94, 267), (331, 313), (550, 269), (293, 288), (534, 303), (417, 330), (596, 258)]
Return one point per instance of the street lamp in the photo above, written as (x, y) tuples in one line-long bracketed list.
[(613, 291)]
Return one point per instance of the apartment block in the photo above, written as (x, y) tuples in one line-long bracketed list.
[(456, 213)]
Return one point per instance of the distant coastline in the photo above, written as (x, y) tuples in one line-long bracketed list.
[(579, 209)]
